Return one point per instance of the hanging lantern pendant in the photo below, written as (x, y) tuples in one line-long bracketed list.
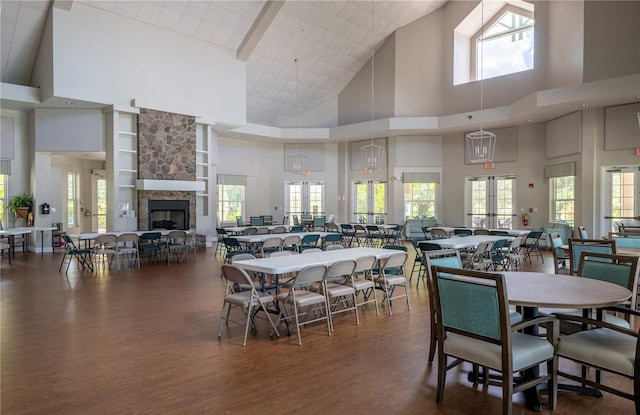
[(372, 156), (480, 146)]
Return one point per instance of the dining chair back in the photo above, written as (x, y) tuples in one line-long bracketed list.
[(337, 286), (364, 283), (71, 252), (577, 246), (621, 270), (239, 221), (222, 233), (481, 231), (333, 247), (443, 258), (394, 236), (301, 305), (480, 258), (531, 245), (262, 230), (270, 246), (319, 223), (296, 229), (438, 233), (267, 219), (360, 234), (128, 250), (234, 247), (473, 323), (105, 249), (604, 347), (348, 233), (514, 253), (582, 232), (149, 243), (250, 301), (255, 221), (332, 227), (279, 229), (291, 243), (462, 232), (391, 276), (560, 256), (309, 241), (176, 246), (331, 239)]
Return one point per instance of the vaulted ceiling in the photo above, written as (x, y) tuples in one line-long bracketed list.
[(331, 40)]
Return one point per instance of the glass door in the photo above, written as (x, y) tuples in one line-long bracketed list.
[(621, 187), (304, 198), (490, 202), (370, 202), (99, 204)]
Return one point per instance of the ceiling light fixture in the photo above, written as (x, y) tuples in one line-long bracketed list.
[(296, 159), (372, 154), (481, 144)]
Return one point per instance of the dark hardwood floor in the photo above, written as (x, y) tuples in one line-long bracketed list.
[(145, 342)]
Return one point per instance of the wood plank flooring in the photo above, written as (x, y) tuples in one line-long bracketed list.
[(145, 342)]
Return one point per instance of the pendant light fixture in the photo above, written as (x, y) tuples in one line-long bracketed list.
[(372, 154), (481, 144), (296, 159)]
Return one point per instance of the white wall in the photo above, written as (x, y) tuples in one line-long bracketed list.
[(113, 61)]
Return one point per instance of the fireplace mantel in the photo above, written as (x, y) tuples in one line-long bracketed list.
[(170, 185)]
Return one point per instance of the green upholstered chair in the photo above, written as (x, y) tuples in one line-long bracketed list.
[(473, 321)]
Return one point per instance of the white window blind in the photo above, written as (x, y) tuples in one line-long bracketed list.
[(560, 170), (232, 180), (433, 177)]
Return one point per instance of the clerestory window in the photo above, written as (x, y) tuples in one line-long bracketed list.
[(504, 44)]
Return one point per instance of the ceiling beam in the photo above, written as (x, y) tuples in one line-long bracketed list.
[(258, 29)]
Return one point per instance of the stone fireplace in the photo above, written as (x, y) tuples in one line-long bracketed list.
[(167, 158), (168, 214)]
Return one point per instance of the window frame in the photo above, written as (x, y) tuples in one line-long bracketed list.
[(4, 199), (408, 204), (473, 61), (72, 200), (223, 202), (554, 200)]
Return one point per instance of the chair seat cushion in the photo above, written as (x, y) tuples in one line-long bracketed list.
[(303, 298), (527, 350), (242, 298), (392, 280), (339, 290), (602, 347)]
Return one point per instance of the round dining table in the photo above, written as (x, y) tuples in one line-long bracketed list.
[(531, 290)]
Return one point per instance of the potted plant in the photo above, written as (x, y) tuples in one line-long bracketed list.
[(21, 205)]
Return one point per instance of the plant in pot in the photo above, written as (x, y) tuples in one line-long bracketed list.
[(21, 205)]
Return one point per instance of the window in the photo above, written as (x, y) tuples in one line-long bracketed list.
[(623, 195), (419, 200), (3, 199), (72, 191), (502, 45), (505, 45), (562, 199), (230, 202), (302, 198)]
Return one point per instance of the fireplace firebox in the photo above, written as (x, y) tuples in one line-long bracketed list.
[(169, 214)]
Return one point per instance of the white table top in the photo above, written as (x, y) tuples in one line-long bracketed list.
[(538, 289), (460, 242), (240, 229), (93, 235), (23, 230), (513, 232), (294, 263), (259, 238)]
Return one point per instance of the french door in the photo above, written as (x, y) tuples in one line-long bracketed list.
[(99, 203), (370, 202), (304, 198), (490, 202), (621, 187)]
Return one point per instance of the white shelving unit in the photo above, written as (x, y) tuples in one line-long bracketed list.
[(122, 169), (202, 170)]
